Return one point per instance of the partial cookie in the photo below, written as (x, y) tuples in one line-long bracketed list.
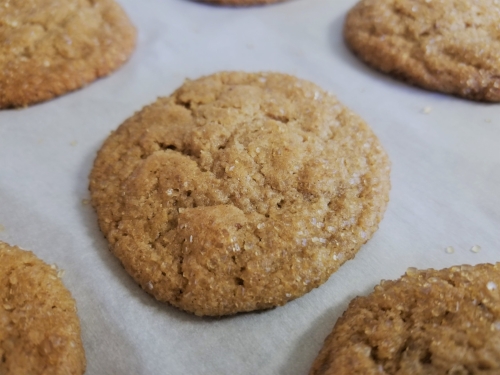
[(39, 326), (242, 3), (444, 322), (50, 47), (452, 46), (239, 191)]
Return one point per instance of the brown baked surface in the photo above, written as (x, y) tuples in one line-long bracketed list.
[(242, 3), (39, 326), (239, 191), (452, 46), (429, 322), (50, 47)]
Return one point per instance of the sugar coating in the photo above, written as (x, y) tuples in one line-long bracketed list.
[(234, 193), (39, 326), (49, 47), (438, 322), (452, 46)]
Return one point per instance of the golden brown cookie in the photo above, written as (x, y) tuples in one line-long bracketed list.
[(50, 47), (39, 326), (239, 191), (242, 3), (429, 322), (452, 46)]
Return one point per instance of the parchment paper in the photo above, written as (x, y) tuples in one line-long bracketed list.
[(445, 185)]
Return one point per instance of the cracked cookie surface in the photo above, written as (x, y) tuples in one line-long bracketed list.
[(39, 326), (239, 191), (452, 46), (50, 47), (439, 322)]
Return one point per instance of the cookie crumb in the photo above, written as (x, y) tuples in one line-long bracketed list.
[(427, 110), (2, 228), (85, 202), (450, 250), (487, 120), (73, 143), (475, 249)]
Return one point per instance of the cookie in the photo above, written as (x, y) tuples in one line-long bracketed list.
[(452, 46), (49, 47), (239, 191), (440, 322), (243, 3), (39, 326)]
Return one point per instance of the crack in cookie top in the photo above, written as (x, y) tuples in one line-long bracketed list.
[(50, 47), (440, 322), (239, 191), (39, 326), (451, 46)]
